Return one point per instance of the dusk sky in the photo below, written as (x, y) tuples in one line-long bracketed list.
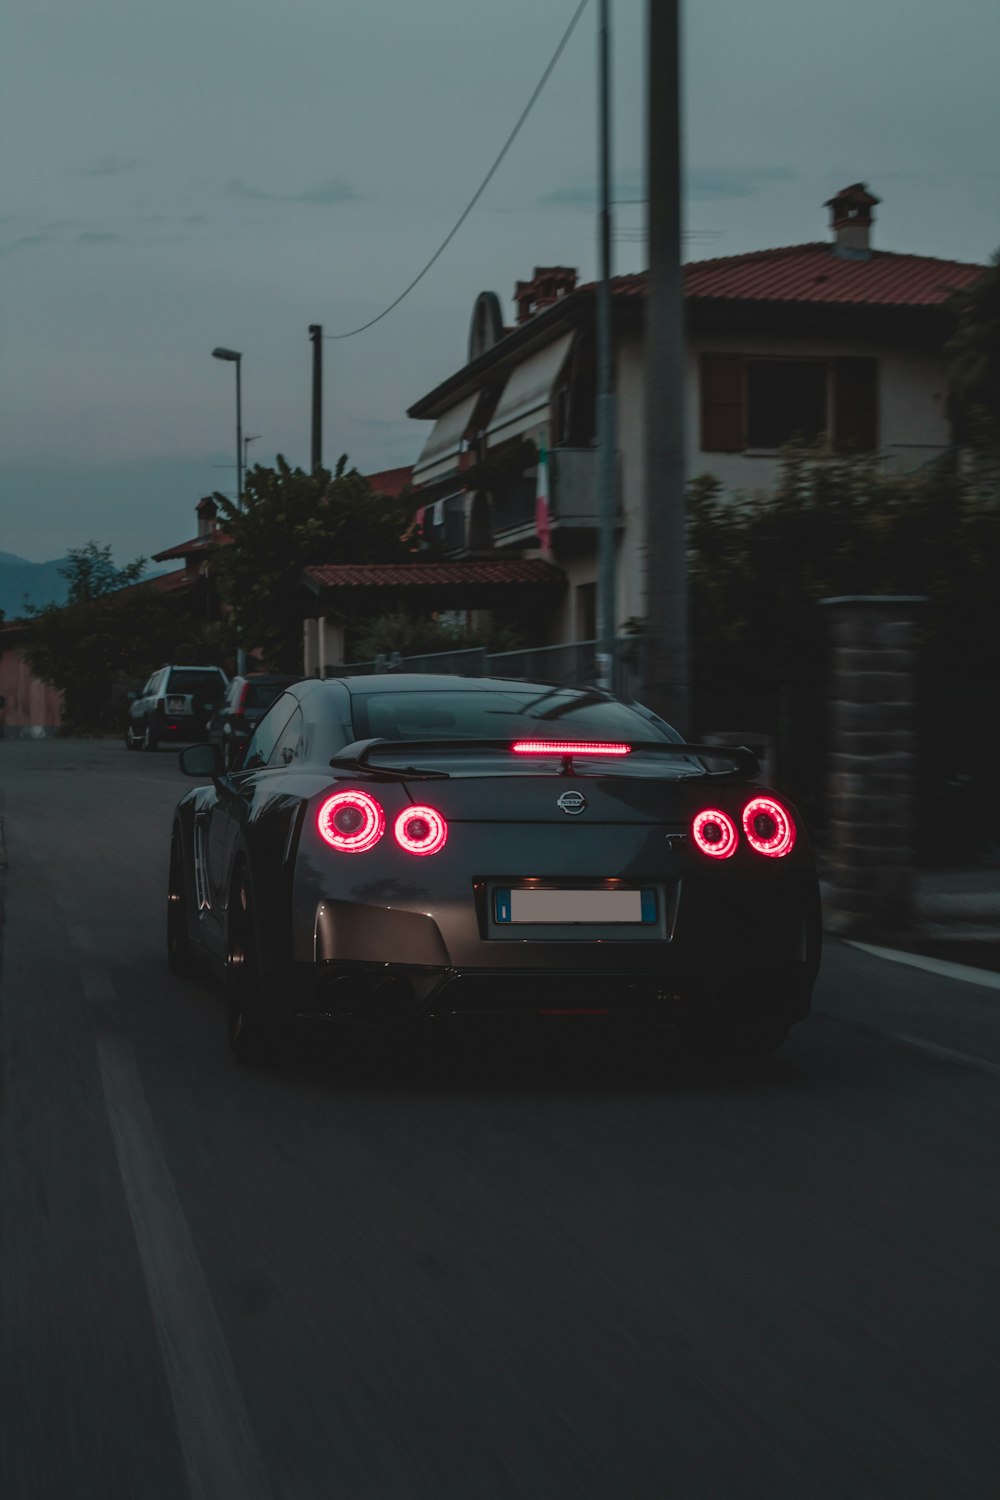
[(209, 172)]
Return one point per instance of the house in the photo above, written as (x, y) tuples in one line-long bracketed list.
[(831, 337)]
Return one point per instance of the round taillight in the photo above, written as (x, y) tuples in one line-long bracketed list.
[(768, 827), (421, 830), (715, 833), (351, 822)]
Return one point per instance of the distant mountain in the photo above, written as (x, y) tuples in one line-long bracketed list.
[(42, 583), (36, 583)]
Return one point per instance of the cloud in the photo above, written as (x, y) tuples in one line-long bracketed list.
[(583, 192), (108, 166), (701, 185), (335, 191), (97, 237), (707, 184), (330, 192), (25, 242)]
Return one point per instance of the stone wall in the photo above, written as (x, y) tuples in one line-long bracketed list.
[(872, 765)]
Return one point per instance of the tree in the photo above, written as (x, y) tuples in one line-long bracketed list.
[(291, 520), (113, 631), (973, 371), (91, 574)]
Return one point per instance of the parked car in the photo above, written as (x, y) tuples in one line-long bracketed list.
[(175, 704), (235, 718), (397, 847)]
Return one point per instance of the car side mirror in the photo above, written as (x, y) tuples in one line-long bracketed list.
[(201, 760), (130, 696)]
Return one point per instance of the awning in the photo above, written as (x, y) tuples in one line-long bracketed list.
[(528, 392), (439, 455)]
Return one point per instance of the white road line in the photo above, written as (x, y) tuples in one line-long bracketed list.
[(220, 1451), (986, 977)]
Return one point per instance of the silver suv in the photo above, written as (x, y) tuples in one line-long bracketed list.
[(175, 704)]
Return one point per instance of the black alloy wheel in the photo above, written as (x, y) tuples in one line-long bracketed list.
[(180, 950), (255, 1038)]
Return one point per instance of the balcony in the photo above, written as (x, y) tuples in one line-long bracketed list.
[(573, 498), (464, 523)]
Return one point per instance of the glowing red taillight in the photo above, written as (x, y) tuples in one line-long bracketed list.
[(568, 747), (351, 822), (421, 830), (714, 832), (768, 827)]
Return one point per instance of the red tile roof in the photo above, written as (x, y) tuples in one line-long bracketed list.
[(391, 481), (196, 544), (812, 273), (510, 571)]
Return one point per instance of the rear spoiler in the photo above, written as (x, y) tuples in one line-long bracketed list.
[(356, 757)]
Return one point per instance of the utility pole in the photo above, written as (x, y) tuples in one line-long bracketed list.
[(666, 672), (316, 334), (606, 424)]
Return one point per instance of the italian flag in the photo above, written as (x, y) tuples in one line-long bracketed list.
[(542, 502)]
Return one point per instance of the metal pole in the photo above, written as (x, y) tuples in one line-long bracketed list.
[(316, 334), (606, 434), (239, 435), (666, 668), (241, 656)]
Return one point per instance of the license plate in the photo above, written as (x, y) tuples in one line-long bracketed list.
[(567, 907)]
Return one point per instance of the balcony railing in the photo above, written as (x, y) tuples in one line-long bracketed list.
[(573, 505)]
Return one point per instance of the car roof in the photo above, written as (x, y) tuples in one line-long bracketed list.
[(398, 682)]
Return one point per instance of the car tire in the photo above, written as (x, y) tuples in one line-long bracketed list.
[(747, 1039), (181, 955), (149, 740), (255, 1038), (130, 743)]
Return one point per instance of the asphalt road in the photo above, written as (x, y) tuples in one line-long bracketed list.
[(466, 1270)]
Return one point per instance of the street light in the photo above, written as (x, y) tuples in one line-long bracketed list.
[(233, 356)]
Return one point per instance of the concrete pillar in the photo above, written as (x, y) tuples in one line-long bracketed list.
[(872, 765), (310, 650), (321, 645)]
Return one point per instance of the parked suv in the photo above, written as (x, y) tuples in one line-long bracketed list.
[(236, 717), (175, 705)]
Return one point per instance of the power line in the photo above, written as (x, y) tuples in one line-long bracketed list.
[(480, 190)]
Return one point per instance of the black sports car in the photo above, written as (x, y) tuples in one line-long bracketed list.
[(397, 847)]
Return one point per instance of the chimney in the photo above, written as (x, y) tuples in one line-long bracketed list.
[(206, 510), (851, 221), (548, 285)]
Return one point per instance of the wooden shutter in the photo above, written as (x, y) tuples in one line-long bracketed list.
[(722, 415), (855, 404)]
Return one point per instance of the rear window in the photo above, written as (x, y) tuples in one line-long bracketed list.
[(262, 694), (208, 682), (493, 714)]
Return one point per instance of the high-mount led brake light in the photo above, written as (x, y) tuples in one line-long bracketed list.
[(714, 832), (351, 822), (568, 747), (420, 830), (768, 827)]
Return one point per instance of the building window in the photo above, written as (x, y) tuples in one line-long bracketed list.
[(785, 399), (749, 403)]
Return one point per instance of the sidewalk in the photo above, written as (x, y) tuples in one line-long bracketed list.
[(957, 915)]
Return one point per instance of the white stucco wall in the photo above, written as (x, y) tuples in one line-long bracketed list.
[(912, 426)]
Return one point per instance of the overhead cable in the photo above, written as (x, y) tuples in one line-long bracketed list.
[(480, 190)]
